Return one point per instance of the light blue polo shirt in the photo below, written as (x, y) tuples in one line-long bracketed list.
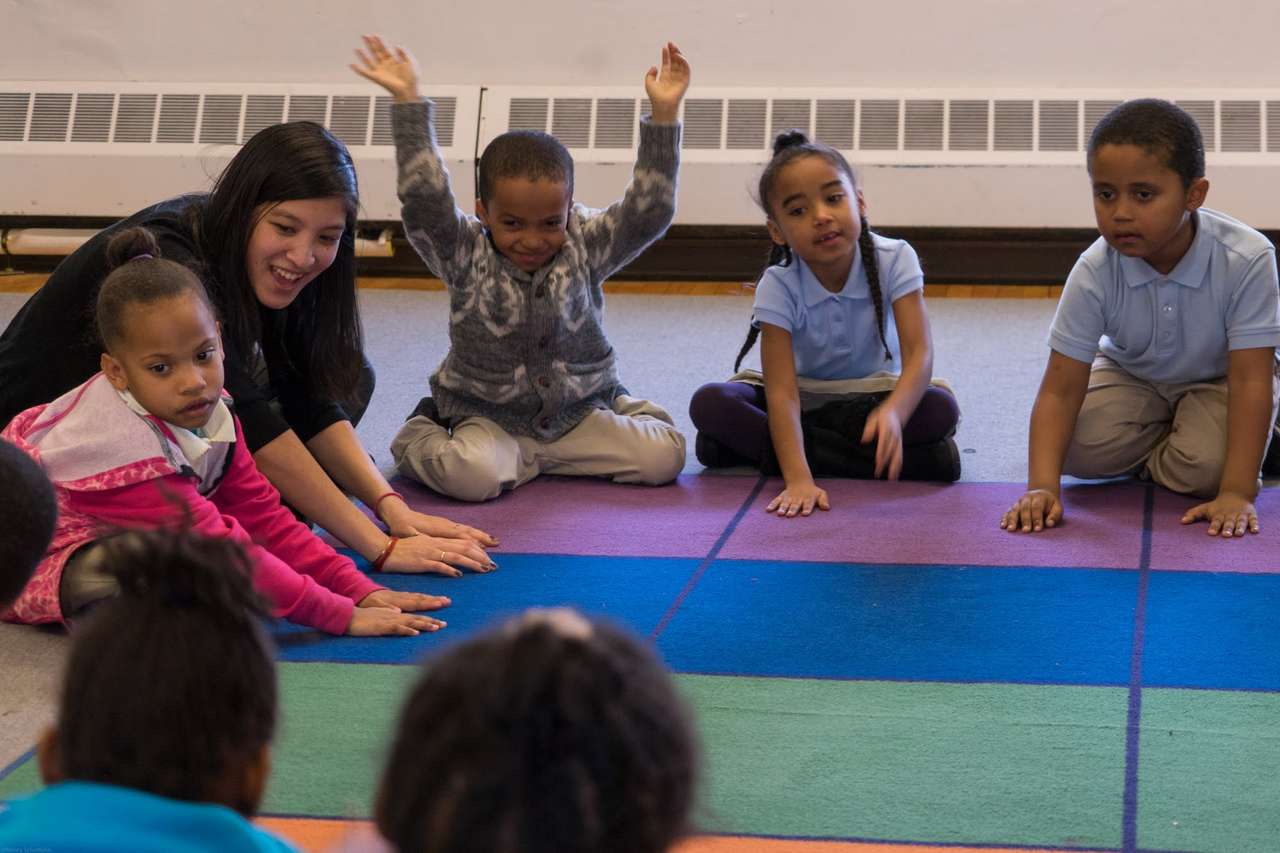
[(1222, 295), (834, 335)]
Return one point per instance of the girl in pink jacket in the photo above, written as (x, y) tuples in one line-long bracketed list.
[(152, 441)]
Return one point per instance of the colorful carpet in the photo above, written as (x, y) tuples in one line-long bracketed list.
[(895, 675)]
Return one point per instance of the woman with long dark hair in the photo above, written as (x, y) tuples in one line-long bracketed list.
[(274, 243)]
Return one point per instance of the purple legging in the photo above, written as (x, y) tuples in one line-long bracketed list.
[(735, 415)]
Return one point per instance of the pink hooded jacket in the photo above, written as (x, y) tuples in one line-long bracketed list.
[(112, 469)]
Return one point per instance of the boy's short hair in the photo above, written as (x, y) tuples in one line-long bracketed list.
[(1161, 128), (529, 154), (30, 511), (550, 734)]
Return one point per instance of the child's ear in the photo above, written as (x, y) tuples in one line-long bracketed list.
[(481, 213), (49, 756), (775, 233), (1197, 193), (862, 203), (255, 777), (114, 371)]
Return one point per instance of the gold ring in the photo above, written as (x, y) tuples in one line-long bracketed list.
[(442, 555)]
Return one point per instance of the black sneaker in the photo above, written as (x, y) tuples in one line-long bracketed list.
[(713, 454), (1271, 460), (426, 408), (937, 461)]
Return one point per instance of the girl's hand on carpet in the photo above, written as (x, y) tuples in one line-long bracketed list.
[(384, 621), (415, 554), (1034, 511), (403, 521), (801, 499), (404, 601), (884, 426), (1228, 515)]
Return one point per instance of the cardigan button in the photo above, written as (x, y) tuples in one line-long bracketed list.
[(540, 292), (544, 382)]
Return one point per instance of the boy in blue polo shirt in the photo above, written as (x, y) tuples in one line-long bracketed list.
[(1163, 345)]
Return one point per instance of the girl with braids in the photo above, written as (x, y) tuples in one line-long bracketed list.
[(550, 734), (152, 442), (168, 708), (834, 308)]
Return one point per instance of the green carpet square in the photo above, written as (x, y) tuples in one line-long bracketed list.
[(1209, 771)]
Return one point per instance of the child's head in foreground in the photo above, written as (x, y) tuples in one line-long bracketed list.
[(159, 332), (550, 733), (30, 511), (525, 190), (1146, 163), (171, 686)]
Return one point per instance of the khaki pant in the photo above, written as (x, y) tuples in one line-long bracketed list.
[(1175, 432), (636, 442)]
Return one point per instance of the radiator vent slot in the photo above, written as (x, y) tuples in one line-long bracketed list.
[(50, 116), (878, 130), (703, 120), (260, 112), (1241, 125), (571, 121), (308, 108), (527, 114), (178, 118), (349, 118), (922, 128), (1015, 125), (790, 113), (833, 122), (13, 115), (969, 125), (1059, 125), (92, 121), (220, 121), (746, 124), (615, 123)]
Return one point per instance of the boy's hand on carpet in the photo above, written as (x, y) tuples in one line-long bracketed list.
[(402, 521), (404, 601), (799, 499), (384, 621), (1228, 515), (1034, 511)]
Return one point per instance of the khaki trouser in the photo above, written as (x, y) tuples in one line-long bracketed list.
[(636, 442), (1176, 433)]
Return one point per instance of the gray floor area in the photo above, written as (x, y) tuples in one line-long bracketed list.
[(992, 351)]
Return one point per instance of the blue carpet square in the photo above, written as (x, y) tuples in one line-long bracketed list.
[(936, 623)]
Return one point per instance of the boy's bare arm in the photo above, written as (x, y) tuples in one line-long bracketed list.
[(616, 235), (1053, 420), (1250, 374)]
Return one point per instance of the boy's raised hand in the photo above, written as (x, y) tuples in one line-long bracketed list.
[(666, 87), (394, 70), (1034, 511)]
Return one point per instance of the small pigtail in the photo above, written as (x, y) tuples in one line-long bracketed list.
[(779, 255), (868, 247)]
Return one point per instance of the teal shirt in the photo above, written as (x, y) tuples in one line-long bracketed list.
[(86, 816)]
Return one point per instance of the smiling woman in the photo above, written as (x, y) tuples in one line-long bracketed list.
[(274, 245)]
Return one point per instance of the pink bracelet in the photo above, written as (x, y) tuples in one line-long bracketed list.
[(382, 498)]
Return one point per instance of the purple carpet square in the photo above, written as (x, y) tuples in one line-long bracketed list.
[(1189, 548), (959, 524), (578, 515)]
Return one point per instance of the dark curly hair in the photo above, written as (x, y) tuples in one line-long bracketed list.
[(1159, 128), (552, 734), (170, 686)]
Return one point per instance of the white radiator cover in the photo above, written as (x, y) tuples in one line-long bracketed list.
[(926, 157)]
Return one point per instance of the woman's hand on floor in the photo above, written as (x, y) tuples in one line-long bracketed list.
[(420, 553)]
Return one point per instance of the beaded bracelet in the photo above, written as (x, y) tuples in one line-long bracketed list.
[(386, 552), (382, 498)]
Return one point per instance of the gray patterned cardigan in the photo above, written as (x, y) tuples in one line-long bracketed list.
[(528, 351)]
